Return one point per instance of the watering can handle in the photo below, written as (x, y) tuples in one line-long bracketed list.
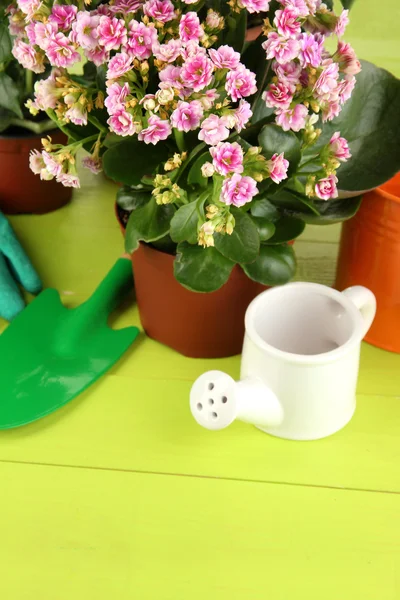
[(111, 291)]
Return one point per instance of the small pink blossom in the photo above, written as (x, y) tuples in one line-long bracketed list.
[(289, 73), (93, 164), (210, 96), (191, 49), (213, 130), (52, 165), (227, 158), (36, 162), (27, 56), (76, 114), (238, 190), (46, 92), (326, 188), (342, 23), (311, 47), (278, 95), (157, 130), (116, 97), (42, 34), (278, 167), (197, 72), (170, 77), (60, 51), (331, 109), (292, 118), (282, 49), (98, 55), (121, 123), (112, 33), (126, 6), (141, 39), (225, 57), (299, 5), (189, 27), (120, 64), (69, 180), (16, 24), (339, 147), (29, 31), (63, 16), (287, 23), (160, 10), (327, 82), (240, 83), (346, 87), (85, 30), (29, 7), (168, 52), (242, 115), (347, 59), (255, 6), (187, 115), (190, 1)]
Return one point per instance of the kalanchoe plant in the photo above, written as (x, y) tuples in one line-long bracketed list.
[(226, 148)]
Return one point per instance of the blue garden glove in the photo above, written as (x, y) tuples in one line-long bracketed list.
[(15, 267)]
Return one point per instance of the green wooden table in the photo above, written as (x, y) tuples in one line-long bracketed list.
[(120, 495)]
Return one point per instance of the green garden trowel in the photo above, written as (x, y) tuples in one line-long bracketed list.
[(49, 354)]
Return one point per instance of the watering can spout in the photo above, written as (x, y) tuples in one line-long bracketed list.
[(216, 400)]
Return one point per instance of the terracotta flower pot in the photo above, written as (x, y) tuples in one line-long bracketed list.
[(21, 191), (370, 255), (196, 325)]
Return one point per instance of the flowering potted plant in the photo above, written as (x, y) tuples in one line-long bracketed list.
[(225, 147), (20, 131)]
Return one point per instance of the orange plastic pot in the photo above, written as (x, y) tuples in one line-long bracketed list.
[(21, 191), (370, 255)]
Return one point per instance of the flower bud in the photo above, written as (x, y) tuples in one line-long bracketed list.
[(207, 170)]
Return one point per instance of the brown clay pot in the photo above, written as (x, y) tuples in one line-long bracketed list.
[(370, 255), (21, 191), (196, 325)]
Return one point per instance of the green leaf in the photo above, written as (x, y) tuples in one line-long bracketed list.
[(201, 269), (287, 229), (370, 121), (236, 24), (290, 200), (130, 199), (244, 243), (129, 160), (273, 140), (347, 3), (5, 43), (194, 176), (5, 119), (265, 228), (332, 211), (9, 95), (275, 265), (265, 209), (148, 223), (184, 222)]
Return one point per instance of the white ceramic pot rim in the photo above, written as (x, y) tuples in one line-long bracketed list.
[(332, 355)]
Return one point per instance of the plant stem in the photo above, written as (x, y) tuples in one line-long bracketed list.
[(195, 152), (37, 128), (260, 88), (52, 115), (28, 82), (97, 124)]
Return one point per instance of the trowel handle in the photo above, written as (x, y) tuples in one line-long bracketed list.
[(113, 289)]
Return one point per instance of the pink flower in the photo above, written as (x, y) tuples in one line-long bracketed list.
[(286, 22), (213, 130), (240, 83), (339, 147), (157, 130), (346, 87), (63, 16), (189, 27), (342, 23), (69, 180), (27, 56), (121, 123), (112, 33), (292, 118), (311, 49), (116, 96), (330, 110), (238, 190), (98, 55), (299, 5), (46, 92), (327, 82), (171, 77), (168, 52), (76, 114), (126, 6), (191, 49), (210, 96), (85, 30), (93, 164), (141, 40), (160, 10), (227, 158), (36, 162), (16, 24), (190, 1), (42, 34), (120, 64), (242, 115), (326, 188), (29, 31), (255, 6), (282, 49), (60, 51), (187, 115), (347, 59), (52, 165), (197, 72), (288, 73), (29, 7), (225, 57), (278, 167), (278, 95)]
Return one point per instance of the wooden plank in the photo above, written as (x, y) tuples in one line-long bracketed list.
[(138, 425), (87, 534)]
